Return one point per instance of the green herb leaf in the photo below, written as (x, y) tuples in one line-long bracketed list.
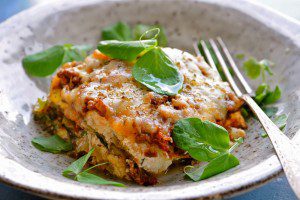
[(75, 52), (280, 122), (157, 71), (240, 56), (252, 68), (272, 96), (119, 31), (203, 140), (76, 167), (238, 141), (270, 111), (53, 144), (266, 65), (75, 171), (140, 29), (44, 63), (245, 112), (222, 163), (261, 92), (216, 166), (125, 50), (85, 177)]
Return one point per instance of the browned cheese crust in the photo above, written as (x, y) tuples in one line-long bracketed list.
[(129, 125)]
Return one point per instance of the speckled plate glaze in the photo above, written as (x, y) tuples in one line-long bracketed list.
[(247, 28)]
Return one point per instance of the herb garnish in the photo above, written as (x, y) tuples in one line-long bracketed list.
[(263, 94), (53, 144), (216, 166), (125, 50), (157, 71), (205, 141), (279, 121), (154, 69), (140, 29), (75, 171), (46, 62), (270, 111), (121, 31), (254, 69)]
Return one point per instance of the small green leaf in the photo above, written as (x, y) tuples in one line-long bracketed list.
[(272, 96), (261, 92), (125, 50), (252, 68), (245, 112), (238, 141), (270, 111), (203, 140), (75, 52), (44, 63), (53, 144), (76, 167), (279, 121), (119, 31), (157, 71), (216, 166), (240, 56), (140, 29), (75, 171), (266, 65), (85, 177)]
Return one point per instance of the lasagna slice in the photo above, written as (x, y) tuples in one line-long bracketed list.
[(97, 103)]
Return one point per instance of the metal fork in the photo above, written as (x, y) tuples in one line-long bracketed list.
[(287, 151)]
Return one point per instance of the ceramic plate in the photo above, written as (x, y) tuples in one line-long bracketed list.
[(247, 28)]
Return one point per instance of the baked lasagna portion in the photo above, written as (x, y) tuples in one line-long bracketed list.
[(97, 103)]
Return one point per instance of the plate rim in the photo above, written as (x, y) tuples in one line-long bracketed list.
[(261, 13)]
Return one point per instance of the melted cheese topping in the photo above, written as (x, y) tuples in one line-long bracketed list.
[(103, 95)]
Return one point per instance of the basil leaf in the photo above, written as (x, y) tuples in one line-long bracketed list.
[(266, 65), (75, 52), (157, 72), (272, 96), (85, 177), (216, 166), (125, 50), (53, 144), (44, 63), (140, 29), (270, 111), (76, 167), (252, 68), (261, 92), (203, 140), (280, 122), (119, 31)]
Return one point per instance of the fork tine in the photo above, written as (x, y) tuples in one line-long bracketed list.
[(233, 66), (196, 48), (207, 55), (225, 68)]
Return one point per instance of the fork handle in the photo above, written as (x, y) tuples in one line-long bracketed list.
[(287, 151)]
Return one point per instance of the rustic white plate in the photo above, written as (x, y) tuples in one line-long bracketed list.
[(247, 28)]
